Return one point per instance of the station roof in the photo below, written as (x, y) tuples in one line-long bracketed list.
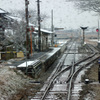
[(19, 19), (44, 31), (3, 11), (13, 18)]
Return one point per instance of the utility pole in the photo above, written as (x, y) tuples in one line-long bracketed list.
[(27, 27), (98, 30), (39, 26), (52, 39), (84, 28)]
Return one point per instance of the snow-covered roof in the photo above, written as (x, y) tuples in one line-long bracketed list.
[(30, 24), (19, 19), (35, 33), (45, 31), (3, 11), (13, 17), (42, 30)]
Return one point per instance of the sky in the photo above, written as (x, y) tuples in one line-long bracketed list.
[(65, 14)]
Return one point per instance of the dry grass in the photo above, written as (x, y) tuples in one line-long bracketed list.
[(11, 81), (93, 88), (91, 42)]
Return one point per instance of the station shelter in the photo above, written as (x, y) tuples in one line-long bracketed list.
[(45, 43)]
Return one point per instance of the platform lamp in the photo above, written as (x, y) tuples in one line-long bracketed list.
[(84, 28)]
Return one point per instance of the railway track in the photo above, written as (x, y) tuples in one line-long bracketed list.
[(58, 86)]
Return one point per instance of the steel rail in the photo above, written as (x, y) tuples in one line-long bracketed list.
[(78, 70), (73, 67), (62, 71), (59, 73), (58, 67), (75, 75), (70, 78)]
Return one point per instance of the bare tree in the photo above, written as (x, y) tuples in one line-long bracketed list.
[(18, 37), (32, 16), (88, 5)]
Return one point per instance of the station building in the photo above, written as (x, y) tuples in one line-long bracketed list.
[(6, 25)]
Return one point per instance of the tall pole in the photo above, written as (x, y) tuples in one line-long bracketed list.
[(31, 41), (52, 39), (83, 36), (98, 30), (39, 32), (84, 28), (27, 26)]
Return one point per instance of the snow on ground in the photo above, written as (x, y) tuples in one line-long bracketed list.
[(27, 63), (62, 41), (95, 40), (11, 80)]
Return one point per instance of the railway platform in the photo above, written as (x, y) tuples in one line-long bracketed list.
[(15, 63), (39, 61), (35, 56)]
